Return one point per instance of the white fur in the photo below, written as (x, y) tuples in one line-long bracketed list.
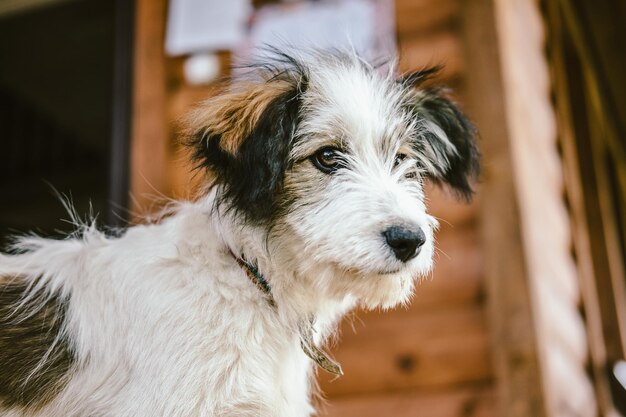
[(165, 323)]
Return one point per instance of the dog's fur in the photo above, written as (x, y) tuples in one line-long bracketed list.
[(162, 321)]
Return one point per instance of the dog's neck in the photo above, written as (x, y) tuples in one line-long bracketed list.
[(297, 300), (292, 291), (305, 327)]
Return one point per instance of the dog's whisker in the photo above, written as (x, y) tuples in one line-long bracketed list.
[(441, 220), (441, 251)]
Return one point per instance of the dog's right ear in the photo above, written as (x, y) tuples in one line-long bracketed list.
[(447, 138), (243, 138)]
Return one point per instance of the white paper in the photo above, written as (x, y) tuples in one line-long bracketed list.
[(205, 25), (367, 26)]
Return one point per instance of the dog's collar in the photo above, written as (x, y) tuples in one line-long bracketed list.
[(321, 358), (252, 271)]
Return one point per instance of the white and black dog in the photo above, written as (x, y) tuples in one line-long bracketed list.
[(314, 204)]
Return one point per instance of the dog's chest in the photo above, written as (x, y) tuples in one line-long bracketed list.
[(209, 351)]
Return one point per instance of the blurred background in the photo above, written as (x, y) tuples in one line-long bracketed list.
[(525, 314)]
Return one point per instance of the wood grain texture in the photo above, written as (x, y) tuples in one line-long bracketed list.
[(450, 212), (477, 401), (597, 32), (571, 394), (417, 17), (568, 58), (440, 48), (457, 277), (561, 326), (150, 138), (514, 351), (446, 347), (543, 219)]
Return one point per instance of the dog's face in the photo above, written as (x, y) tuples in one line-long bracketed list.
[(329, 158)]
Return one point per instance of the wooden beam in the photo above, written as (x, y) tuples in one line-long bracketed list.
[(515, 351), (443, 48), (451, 213), (585, 213), (457, 277), (150, 139), (12, 7), (415, 18), (597, 30), (121, 124), (440, 348), (477, 401)]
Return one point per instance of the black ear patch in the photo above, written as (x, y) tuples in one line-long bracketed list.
[(36, 357), (252, 177), (447, 139)]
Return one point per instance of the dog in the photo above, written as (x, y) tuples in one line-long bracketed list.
[(313, 205)]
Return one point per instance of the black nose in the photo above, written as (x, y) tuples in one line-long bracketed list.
[(405, 242)]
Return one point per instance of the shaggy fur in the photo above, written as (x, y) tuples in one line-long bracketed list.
[(315, 168)]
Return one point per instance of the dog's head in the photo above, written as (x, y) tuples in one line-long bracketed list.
[(329, 157)]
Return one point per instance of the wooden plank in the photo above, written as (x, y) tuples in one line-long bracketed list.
[(561, 274), (615, 283), (564, 327), (417, 17), (12, 7), (457, 276), (184, 182), (477, 401), (450, 212), (119, 171), (566, 73), (547, 228), (572, 391), (539, 155), (597, 32), (443, 48), (443, 348), (149, 144), (182, 96), (185, 98), (558, 324), (514, 344)]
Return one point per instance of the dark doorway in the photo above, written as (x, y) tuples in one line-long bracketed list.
[(64, 113)]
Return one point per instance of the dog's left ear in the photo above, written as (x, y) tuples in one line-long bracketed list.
[(447, 140), (242, 139)]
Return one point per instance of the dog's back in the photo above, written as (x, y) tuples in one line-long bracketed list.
[(35, 355), (148, 324)]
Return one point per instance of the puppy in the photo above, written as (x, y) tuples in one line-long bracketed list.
[(313, 205)]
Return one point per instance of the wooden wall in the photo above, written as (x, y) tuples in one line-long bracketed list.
[(496, 329), (553, 278), (540, 345), (585, 53)]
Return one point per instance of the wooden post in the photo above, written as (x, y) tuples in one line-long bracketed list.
[(586, 212), (149, 143), (515, 350)]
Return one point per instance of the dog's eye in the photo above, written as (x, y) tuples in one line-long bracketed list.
[(327, 160), (399, 158)]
